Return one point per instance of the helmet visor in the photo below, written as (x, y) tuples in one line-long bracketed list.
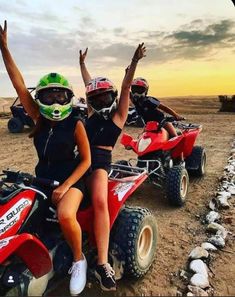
[(101, 101), (52, 96), (138, 90)]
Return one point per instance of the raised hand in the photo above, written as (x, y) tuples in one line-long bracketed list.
[(179, 118), (3, 35), (127, 69), (139, 53), (83, 56)]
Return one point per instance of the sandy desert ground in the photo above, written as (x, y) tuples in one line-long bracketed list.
[(179, 229)]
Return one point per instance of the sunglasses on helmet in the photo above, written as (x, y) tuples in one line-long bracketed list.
[(52, 96)]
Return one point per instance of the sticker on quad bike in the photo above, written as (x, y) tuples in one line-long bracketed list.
[(13, 215), (121, 189), (53, 218), (4, 242)]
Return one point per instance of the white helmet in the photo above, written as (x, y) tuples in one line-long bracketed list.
[(101, 95), (139, 87)]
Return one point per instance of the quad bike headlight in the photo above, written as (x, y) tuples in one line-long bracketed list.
[(143, 144)]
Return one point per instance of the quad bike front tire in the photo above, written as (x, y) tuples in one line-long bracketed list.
[(177, 181), (15, 125), (135, 234), (196, 162)]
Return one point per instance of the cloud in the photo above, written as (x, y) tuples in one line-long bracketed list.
[(192, 42), (217, 34), (44, 48), (87, 21), (199, 41), (17, 9)]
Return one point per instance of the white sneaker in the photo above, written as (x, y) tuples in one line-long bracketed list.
[(78, 276)]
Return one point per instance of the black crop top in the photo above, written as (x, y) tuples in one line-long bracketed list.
[(102, 132)]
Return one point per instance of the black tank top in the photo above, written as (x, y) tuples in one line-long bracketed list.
[(56, 149), (102, 132)]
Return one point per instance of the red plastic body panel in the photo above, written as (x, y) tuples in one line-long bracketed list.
[(151, 126), (30, 250), (14, 212), (186, 144), (118, 192), (160, 141)]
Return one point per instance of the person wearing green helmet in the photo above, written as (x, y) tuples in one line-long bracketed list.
[(53, 95), (63, 151)]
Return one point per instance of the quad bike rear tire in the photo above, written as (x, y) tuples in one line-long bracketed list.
[(196, 162), (15, 125), (177, 181), (135, 234)]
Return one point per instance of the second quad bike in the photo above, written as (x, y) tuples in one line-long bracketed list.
[(34, 256), (161, 155), (19, 118)]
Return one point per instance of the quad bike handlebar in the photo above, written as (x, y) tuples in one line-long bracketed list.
[(177, 123), (27, 179), (167, 120), (187, 126)]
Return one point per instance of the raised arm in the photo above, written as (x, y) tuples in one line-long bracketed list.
[(16, 77), (85, 74), (170, 111), (120, 116)]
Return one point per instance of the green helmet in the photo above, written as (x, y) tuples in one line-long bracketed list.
[(56, 111)]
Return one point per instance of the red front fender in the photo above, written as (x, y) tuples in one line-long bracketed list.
[(126, 139), (31, 250)]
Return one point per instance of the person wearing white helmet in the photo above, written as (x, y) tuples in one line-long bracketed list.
[(63, 152), (150, 108), (106, 119)]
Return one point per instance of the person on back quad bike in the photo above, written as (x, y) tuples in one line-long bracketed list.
[(106, 118), (63, 151), (149, 107)]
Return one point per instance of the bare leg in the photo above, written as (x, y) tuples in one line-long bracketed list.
[(98, 183), (66, 211), (171, 130)]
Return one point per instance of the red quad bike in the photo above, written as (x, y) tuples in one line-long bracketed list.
[(33, 253), (160, 155)]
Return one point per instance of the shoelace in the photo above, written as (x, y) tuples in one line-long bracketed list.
[(108, 270), (74, 270)]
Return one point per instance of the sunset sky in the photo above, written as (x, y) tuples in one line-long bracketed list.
[(190, 43)]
